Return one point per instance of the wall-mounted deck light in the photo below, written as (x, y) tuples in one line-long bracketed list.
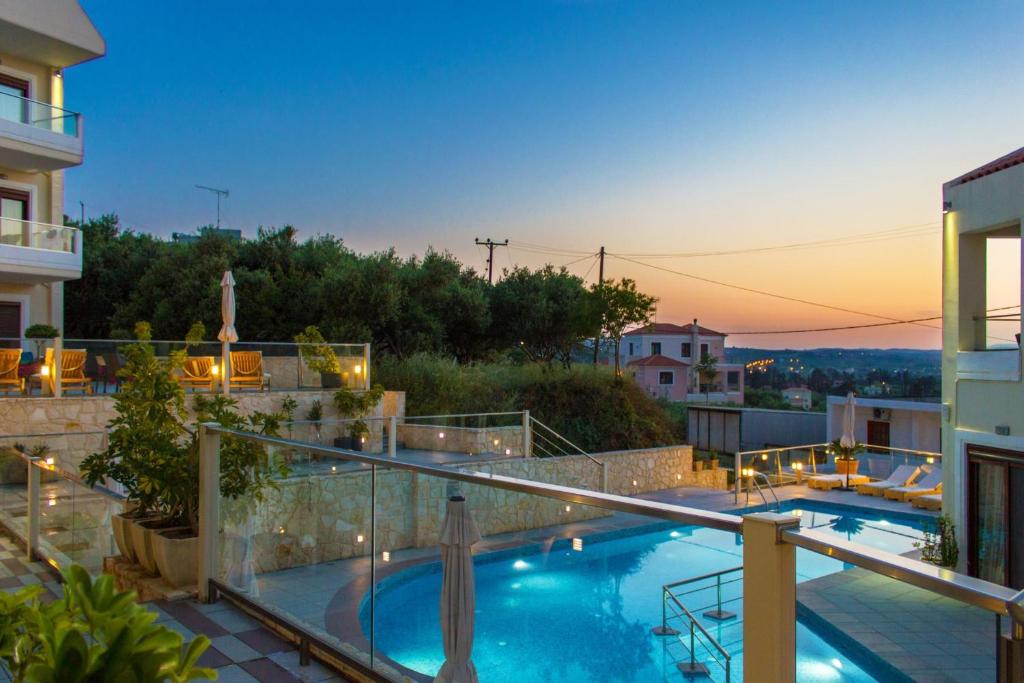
[(947, 207), (577, 544)]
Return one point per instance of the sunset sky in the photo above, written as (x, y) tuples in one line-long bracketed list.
[(651, 128)]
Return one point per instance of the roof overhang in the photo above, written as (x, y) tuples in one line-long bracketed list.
[(57, 33)]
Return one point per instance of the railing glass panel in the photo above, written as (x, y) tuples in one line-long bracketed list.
[(38, 114)]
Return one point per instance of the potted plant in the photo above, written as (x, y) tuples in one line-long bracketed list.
[(356, 405), (698, 462), (318, 356), (41, 334), (314, 415), (713, 460), (92, 633), (846, 458), (939, 545), (154, 455)]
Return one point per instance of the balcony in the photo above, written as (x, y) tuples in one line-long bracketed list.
[(33, 252), (36, 136)]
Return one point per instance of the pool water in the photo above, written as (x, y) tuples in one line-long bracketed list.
[(562, 615)]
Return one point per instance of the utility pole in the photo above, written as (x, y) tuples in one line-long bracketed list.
[(600, 284), (81, 221), (490, 244), (219, 193)]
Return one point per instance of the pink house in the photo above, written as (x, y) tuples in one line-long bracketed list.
[(661, 357)]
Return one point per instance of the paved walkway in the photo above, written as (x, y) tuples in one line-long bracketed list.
[(921, 636), (241, 652)]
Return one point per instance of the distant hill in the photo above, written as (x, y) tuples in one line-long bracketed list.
[(914, 360)]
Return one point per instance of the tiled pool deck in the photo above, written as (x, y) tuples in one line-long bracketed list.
[(241, 652)]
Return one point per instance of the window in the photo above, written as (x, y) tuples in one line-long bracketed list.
[(13, 106), (666, 377), (13, 213), (631, 348), (687, 349), (655, 348), (732, 380), (703, 350)]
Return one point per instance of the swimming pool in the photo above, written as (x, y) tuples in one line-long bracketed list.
[(556, 614)]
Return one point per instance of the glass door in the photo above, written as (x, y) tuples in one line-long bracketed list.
[(13, 102), (13, 217), (996, 515)]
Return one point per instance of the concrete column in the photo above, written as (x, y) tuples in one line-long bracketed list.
[(527, 435), (209, 507), (393, 436), (769, 599), (32, 523)]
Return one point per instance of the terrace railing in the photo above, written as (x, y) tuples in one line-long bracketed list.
[(46, 370), (285, 557), (39, 115)]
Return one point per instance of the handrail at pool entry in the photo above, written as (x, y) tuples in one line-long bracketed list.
[(727, 664), (675, 513), (966, 589)]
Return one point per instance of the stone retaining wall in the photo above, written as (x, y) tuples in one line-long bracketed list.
[(320, 518)]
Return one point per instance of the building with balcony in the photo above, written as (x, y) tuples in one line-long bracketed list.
[(983, 437), (39, 138), (663, 357)]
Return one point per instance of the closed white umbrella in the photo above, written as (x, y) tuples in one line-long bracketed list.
[(847, 440), (227, 333), (458, 593)]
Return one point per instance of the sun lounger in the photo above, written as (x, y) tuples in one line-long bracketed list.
[(929, 483), (827, 482), (197, 372), (247, 370), (931, 501), (901, 476), (10, 362)]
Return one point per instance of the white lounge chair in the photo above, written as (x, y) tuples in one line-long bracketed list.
[(827, 482), (929, 483), (931, 501), (901, 476)]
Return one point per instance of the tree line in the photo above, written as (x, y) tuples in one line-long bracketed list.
[(403, 306)]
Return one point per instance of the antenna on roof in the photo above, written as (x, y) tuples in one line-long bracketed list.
[(219, 194)]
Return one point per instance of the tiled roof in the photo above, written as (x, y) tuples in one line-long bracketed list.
[(1002, 163), (670, 328), (658, 361)]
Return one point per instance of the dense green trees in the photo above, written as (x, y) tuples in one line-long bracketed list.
[(404, 306)]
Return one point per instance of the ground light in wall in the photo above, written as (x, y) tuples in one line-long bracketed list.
[(577, 544)]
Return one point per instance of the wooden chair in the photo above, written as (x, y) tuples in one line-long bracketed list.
[(10, 363), (72, 371), (247, 370), (198, 372)]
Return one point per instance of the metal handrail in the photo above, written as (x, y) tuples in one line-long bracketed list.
[(693, 622), (945, 582), (702, 577), (579, 450), (45, 104)]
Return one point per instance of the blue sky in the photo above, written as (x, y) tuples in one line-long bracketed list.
[(643, 126)]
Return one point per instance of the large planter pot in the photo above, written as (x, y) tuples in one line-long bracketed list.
[(713, 464), (121, 526), (846, 466), (698, 465), (141, 533), (177, 555), (349, 443), (330, 380)]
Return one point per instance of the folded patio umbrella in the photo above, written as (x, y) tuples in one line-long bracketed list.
[(227, 333), (458, 593), (847, 441)]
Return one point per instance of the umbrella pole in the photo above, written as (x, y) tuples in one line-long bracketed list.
[(225, 371)]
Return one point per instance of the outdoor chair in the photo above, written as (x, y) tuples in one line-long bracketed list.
[(901, 476), (929, 483), (931, 501), (827, 482), (247, 370), (198, 372), (72, 371), (10, 363)]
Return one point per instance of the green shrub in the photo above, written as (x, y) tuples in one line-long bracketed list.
[(94, 633), (584, 404)]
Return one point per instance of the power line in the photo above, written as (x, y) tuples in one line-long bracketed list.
[(773, 295), (863, 326)]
